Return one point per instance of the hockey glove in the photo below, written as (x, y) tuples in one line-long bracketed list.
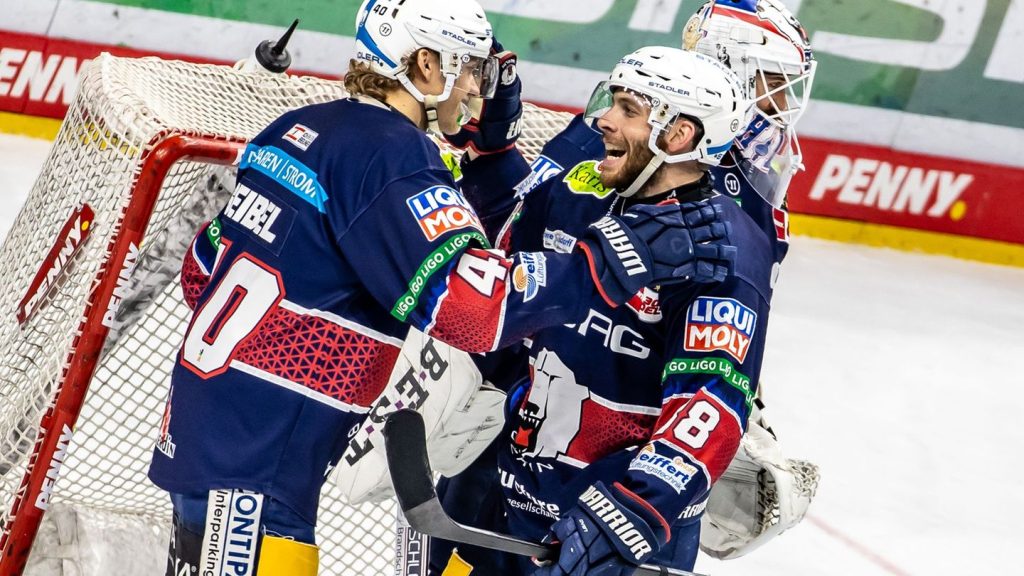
[(656, 245), (609, 532), (496, 128), (711, 258)]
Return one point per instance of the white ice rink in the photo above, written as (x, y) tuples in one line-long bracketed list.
[(898, 374)]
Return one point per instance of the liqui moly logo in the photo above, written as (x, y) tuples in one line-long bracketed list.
[(721, 324), (441, 209), (70, 239)]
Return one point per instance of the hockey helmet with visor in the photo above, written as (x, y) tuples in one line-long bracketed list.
[(669, 83), (388, 33)]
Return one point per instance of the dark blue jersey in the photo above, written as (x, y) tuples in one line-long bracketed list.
[(345, 226), (654, 394)]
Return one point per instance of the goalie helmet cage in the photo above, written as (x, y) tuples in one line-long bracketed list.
[(93, 315)]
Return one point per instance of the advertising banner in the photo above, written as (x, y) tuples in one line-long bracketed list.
[(917, 118), (875, 184)]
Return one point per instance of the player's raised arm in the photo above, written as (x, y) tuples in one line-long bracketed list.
[(440, 276)]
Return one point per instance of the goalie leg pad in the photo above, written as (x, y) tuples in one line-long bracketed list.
[(462, 415)]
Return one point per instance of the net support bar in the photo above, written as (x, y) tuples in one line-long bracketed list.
[(16, 541)]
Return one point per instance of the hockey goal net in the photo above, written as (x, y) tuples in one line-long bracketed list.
[(93, 314)]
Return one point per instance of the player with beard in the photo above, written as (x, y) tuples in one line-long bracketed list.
[(635, 411), (768, 49)]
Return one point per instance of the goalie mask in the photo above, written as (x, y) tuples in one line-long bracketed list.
[(388, 32), (668, 83), (765, 45)]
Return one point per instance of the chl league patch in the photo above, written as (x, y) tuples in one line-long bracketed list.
[(231, 537)]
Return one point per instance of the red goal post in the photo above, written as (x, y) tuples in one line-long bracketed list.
[(93, 315)]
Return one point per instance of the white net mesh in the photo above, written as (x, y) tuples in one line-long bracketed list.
[(124, 108)]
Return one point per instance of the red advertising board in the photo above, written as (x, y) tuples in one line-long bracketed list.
[(882, 186), (38, 75), (873, 184)]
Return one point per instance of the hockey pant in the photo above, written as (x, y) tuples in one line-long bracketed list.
[(232, 532)]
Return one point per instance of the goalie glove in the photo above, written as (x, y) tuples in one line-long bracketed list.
[(761, 495), (461, 412), (496, 127)]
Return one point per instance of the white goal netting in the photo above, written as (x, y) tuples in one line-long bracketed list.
[(105, 517)]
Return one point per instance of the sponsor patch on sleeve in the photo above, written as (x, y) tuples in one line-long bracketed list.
[(715, 367), (559, 241), (719, 324), (542, 169), (441, 209), (673, 471), (530, 275), (301, 136)]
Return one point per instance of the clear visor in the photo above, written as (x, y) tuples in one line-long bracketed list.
[(603, 99), (782, 93), (484, 74)]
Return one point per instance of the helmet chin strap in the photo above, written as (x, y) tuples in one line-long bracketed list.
[(430, 101), (430, 113), (644, 176)]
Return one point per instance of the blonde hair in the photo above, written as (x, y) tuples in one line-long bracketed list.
[(360, 80)]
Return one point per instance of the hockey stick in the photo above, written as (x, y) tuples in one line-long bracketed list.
[(406, 448)]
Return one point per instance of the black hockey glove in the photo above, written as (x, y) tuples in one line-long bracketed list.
[(659, 244), (609, 532), (497, 127)]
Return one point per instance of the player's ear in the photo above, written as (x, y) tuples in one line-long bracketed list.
[(680, 137), (426, 65)]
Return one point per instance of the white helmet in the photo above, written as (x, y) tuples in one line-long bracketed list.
[(388, 31), (675, 82), (757, 37)]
